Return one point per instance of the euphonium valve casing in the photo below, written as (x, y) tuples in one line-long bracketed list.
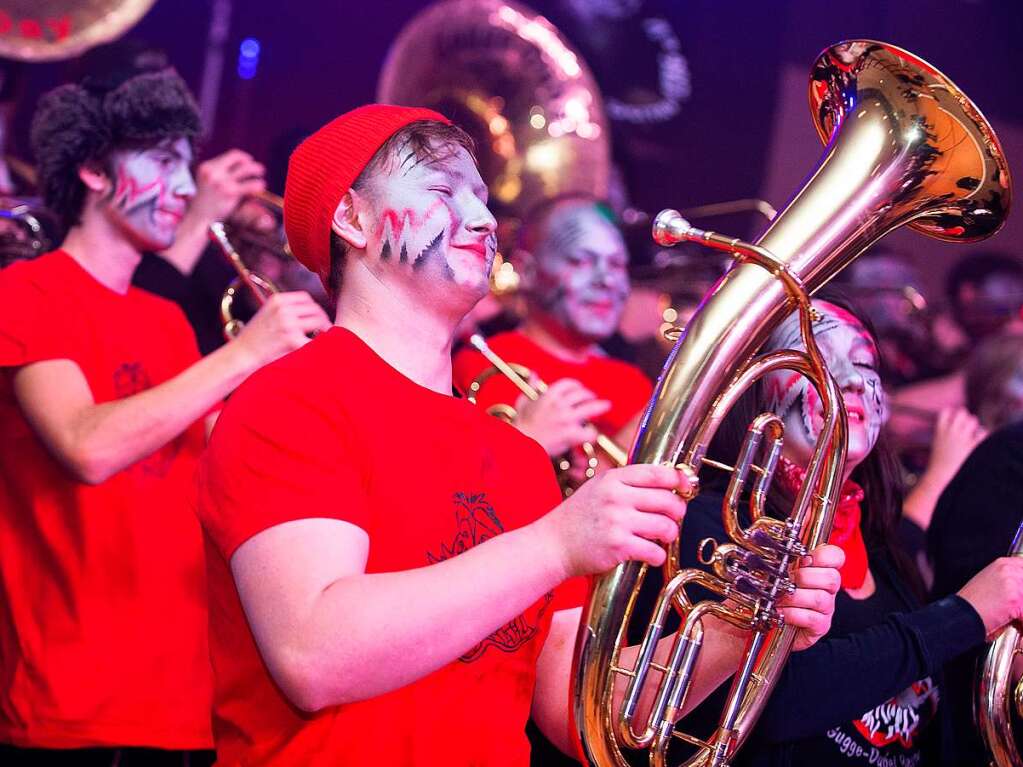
[(904, 146)]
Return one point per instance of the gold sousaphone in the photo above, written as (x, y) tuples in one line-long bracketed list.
[(47, 30), (904, 146)]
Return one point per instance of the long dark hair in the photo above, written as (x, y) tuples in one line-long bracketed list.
[(878, 474)]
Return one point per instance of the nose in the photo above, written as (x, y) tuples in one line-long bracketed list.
[(184, 184), (850, 379), (478, 218)]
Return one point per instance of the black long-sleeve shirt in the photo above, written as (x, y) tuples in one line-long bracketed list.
[(876, 651), (974, 523)]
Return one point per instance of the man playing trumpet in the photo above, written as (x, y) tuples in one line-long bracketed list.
[(573, 266)]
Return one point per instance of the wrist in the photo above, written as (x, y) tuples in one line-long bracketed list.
[(547, 550), (242, 358)]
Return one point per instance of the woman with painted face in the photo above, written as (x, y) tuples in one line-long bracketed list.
[(882, 660)]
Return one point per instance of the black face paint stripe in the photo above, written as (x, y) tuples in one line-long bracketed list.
[(430, 252)]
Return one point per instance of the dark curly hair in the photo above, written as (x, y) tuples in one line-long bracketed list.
[(75, 125)]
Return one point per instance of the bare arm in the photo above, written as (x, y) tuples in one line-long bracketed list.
[(95, 441), (957, 432), (330, 633)]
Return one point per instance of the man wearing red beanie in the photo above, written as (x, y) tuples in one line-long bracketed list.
[(386, 562)]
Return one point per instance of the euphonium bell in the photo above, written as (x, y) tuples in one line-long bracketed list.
[(904, 146)]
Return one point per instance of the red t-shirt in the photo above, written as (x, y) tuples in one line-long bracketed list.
[(102, 588), (333, 431), (623, 385)]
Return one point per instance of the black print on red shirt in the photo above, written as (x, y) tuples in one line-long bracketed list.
[(476, 522), (131, 378)]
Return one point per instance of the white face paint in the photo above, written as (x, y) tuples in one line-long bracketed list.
[(432, 222), (151, 191), (851, 356), (582, 278)]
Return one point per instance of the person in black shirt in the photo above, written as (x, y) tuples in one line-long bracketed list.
[(881, 662), (974, 523)]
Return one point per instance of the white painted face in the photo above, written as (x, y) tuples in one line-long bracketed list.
[(432, 222), (151, 191), (581, 265), (851, 356)]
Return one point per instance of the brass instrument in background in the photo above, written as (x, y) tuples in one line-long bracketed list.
[(904, 146), (520, 375), (999, 702), (259, 287), (507, 76), (48, 30)]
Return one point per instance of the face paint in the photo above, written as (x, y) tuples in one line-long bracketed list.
[(851, 356), (151, 190), (433, 220), (582, 279)]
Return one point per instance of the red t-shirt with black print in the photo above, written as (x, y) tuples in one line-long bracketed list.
[(622, 384), (332, 431), (102, 588)]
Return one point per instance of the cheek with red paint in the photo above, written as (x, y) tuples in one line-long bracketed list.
[(411, 233), (142, 201)]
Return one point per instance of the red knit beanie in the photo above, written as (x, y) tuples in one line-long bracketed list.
[(324, 167)]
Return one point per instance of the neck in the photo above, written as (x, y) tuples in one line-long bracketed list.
[(103, 252), (802, 462), (556, 339), (407, 334)]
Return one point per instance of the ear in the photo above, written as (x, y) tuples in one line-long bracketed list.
[(95, 179), (525, 268), (346, 223)]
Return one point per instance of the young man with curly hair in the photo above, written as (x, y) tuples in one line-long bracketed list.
[(392, 576), (103, 398)]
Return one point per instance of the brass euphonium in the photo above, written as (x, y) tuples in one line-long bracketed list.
[(999, 700), (904, 146)]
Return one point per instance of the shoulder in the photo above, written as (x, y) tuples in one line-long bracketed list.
[(162, 309), (313, 373), (40, 275)]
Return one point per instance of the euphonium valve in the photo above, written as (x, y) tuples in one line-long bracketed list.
[(904, 146), (999, 702)]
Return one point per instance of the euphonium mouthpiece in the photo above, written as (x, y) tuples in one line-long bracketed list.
[(670, 228)]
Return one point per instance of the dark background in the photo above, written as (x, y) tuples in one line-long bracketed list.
[(744, 131)]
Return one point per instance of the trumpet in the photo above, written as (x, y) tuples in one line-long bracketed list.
[(260, 287), (519, 376)]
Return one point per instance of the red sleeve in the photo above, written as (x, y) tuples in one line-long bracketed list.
[(31, 326), (276, 456)]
